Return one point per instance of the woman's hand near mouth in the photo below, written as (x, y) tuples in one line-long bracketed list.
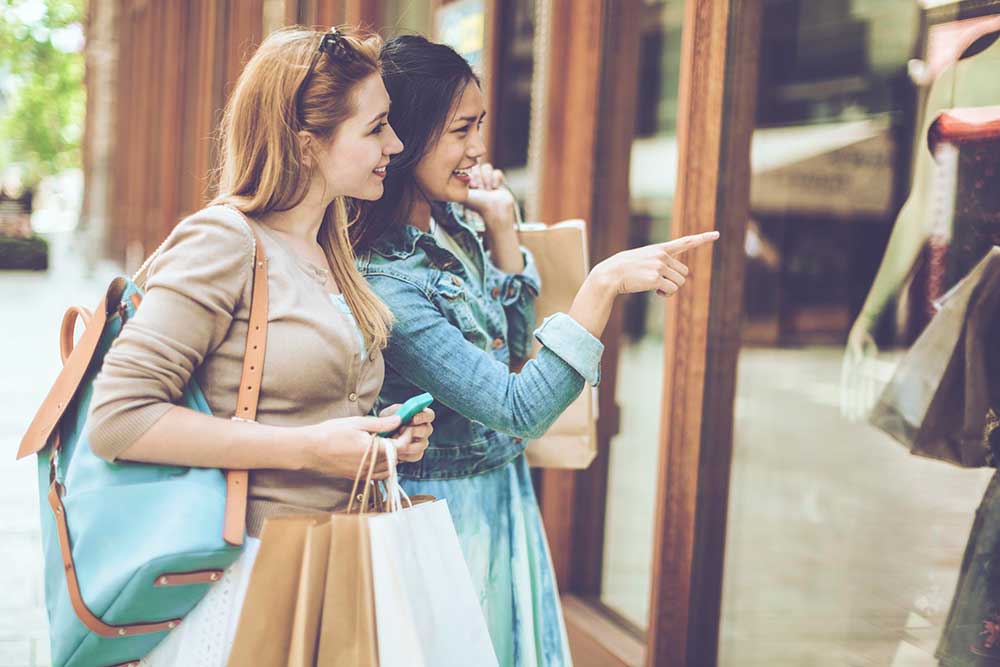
[(495, 204)]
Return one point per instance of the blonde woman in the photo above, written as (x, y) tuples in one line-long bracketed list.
[(305, 127)]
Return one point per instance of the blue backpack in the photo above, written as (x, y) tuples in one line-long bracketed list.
[(129, 548)]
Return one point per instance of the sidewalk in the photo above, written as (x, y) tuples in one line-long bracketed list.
[(32, 305)]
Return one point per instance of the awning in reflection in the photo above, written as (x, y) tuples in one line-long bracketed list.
[(840, 170)]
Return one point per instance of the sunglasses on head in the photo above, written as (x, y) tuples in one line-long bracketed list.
[(336, 47)]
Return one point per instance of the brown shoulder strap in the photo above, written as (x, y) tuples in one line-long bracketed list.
[(249, 394), (67, 382)]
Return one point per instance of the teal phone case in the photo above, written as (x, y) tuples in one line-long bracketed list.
[(411, 409)]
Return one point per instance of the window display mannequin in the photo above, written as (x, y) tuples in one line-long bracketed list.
[(970, 82)]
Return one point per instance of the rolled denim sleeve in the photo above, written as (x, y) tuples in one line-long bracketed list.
[(517, 296), (573, 344), (429, 352)]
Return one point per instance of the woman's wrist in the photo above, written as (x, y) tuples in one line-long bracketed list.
[(592, 306), (601, 284), (504, 244), (500, 219), (296, 447), (864, 323)]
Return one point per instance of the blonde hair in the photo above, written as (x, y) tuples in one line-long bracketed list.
[(261, 167)]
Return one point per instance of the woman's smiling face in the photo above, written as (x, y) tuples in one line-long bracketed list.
[(354, 161), (440, 172)]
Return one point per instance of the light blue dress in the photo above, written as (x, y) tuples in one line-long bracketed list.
[(497, 518)]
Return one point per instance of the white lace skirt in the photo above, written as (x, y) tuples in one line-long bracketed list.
[(206, 636)]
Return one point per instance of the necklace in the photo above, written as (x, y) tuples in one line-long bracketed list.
[(321, 276)]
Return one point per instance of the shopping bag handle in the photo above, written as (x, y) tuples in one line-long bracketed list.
[(396, 494), (370, 456), (393, 489)]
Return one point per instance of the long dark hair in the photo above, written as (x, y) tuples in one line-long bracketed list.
[(424, 81)]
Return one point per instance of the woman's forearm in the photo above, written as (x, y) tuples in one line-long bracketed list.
[(902, 252), (189, 438)]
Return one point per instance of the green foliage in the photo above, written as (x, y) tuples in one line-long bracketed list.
[(42, 95)]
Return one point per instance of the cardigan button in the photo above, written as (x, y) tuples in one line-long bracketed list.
[(352, 397), (495, 292), (456, 281), (497, 343)]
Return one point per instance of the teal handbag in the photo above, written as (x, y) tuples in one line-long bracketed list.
[(129, 548)]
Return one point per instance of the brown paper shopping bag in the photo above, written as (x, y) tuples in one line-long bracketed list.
[(275, 611), (561, 256), (309, 600), (347, 636)]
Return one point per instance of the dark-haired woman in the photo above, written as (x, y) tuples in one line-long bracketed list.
[(463, 311)]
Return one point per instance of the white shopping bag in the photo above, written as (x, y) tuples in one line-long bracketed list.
[(426, 609)]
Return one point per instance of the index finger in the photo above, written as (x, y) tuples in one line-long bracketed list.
[(685, 243), (390, 410)]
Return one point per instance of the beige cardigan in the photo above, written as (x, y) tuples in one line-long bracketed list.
[(193, 321)]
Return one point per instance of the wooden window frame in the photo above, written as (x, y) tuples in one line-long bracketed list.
[(719, 58), (715, 122)]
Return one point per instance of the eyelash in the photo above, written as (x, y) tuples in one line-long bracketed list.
[(378, 128), (464, 130)]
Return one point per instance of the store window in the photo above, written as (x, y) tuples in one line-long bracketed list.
[(874, 148)]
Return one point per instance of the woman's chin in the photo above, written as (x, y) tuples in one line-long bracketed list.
[(371, 193), (458, 192)]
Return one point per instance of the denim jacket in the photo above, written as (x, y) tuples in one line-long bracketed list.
[(455, 336)]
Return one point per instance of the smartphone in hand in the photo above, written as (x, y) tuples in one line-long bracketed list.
[(411, 409)]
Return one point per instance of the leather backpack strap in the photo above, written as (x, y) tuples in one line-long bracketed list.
[(75, 364), (83, 612), (66, 338), (238, 481), (249, 394)]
